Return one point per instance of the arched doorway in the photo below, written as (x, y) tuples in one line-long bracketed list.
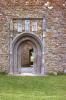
[(26, 54)]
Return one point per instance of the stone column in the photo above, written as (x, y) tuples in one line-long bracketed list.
[(39, 62), (19, 60), (10, 56), (43, 49), (15, 65), (43, 54), (10, 46), (34, 62)]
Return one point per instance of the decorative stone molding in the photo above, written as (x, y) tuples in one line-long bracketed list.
[(15, 47)]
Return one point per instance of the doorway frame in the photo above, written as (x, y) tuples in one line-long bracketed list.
[(13, 49)]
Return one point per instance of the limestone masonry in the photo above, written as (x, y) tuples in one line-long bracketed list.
[(33, 36)]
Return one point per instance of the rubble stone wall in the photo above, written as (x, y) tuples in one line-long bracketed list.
[(55, 40)]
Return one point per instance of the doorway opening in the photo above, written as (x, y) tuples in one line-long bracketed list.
[(31, 56), (27, 54)]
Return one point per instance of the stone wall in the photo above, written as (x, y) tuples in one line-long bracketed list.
[(25, 58), (55, 40)]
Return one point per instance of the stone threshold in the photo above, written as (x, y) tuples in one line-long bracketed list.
[(25, 74)]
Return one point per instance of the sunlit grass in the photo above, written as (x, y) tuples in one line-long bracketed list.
[(32, 88)]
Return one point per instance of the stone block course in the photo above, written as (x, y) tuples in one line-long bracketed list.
[(55, 40)]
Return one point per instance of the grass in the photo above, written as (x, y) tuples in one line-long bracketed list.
[(33, 88)]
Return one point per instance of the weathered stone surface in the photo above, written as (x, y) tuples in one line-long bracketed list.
[(55, 40)]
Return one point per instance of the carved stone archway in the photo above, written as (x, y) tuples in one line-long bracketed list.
[(15, 55)]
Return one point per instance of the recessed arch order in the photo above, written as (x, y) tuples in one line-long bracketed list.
[(15, 57)]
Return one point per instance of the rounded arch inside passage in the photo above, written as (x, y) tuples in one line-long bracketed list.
[(27, 54)]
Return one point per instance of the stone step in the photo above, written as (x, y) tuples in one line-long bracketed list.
[(26, 70)]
